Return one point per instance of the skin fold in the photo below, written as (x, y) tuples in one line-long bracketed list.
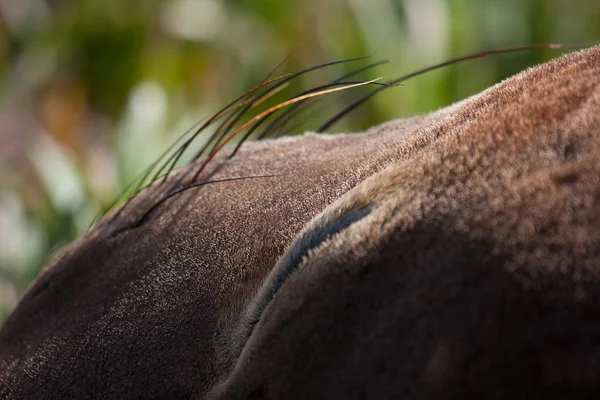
[(445, 256)]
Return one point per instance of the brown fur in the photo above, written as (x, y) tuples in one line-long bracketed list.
[(443, 256)]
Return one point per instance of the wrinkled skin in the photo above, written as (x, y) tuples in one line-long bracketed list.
[(450, 256)]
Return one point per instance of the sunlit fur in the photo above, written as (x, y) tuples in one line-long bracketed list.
[(450, 256)]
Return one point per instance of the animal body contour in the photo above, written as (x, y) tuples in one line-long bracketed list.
[(453, 255)]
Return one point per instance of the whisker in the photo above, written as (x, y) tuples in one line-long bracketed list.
[(421, 71), (282, 119), (216, 116), (274, 109), (140, 179), (223, 130), (297, 108), (281, 80)]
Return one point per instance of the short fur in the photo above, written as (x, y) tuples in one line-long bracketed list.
[(443, 256)]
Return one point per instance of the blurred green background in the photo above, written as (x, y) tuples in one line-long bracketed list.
[(93, 90)]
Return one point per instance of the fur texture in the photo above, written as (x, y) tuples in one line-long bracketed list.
[(442, 256)]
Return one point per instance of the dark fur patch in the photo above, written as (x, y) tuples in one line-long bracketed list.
[(312, 239)]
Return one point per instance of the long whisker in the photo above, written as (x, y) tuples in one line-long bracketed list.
[(269, 86), (295, 109), (285, 78), (173, 160), (271, 111), (224, 129), (232, 117), (140, 179), (278, 123), (156, 162), (284, 81), (472, 56)]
